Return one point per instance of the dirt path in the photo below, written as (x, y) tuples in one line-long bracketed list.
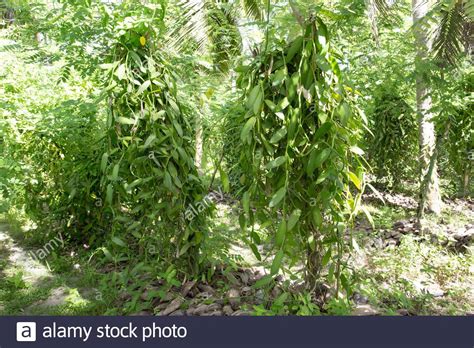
[(34, 287), (18, 258)]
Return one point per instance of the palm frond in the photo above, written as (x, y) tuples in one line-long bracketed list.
[(191, 25), (452, 34), (381, 10), (253, 9), (382, 6), (223, 33), (469, 9), (210, 26)]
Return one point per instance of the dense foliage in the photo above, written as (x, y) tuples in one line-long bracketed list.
[(299, 154), (175, 144), (392, 136), (456, 110), (151, 178)]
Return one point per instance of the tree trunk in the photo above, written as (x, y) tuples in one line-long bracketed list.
[(465, 182), (427, 136), (372, 14), (426, 179)]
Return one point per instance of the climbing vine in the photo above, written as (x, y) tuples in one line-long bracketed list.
[(393, 134), (302, 169), (150, 179)]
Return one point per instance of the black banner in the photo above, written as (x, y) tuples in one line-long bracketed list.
[(50, 332)]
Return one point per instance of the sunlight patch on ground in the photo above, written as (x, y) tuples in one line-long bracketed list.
[(18, 262), (19, 259)]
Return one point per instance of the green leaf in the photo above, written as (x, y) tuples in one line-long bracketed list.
[(282, 105), (103, 162), (317, 217), (281, 233), (357, 150), (174, 106), (330, 275), (270, 104), (277, 197), (255, 251), (109, 194), (167, 181), (281, 299), (124, 120), (134, 183), (178, 128), (107, 254), (136, 59), (326, 258), (322, 36), (322, 117), (368, 215), (316, 159), (72, 194), (322, 130), (247, 128), (322, 63), (184, 249), (293, 124), (279, 134), (345, 284), (355, 180), (257, 105), (322, 177), (121, 72), (144, 86), (149, 140), (376, 192), (280, 115), (224, 180), (118, 241), (276, 162), (255, 237), (246, 202), (278, 77), (294, 48), (108, 66), (265, 280), (255, 99), (253, 96), (344, 111), (115, 172), (242, 221), (172, 170), (293, 220), (157, 115), (242, 68), (276, 264)]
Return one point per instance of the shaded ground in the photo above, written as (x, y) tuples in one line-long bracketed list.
[(398, 270), (28, 287), (413, 269)]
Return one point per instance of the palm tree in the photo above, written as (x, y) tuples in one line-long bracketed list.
[(427, 136), (211, 27), (452, 35)]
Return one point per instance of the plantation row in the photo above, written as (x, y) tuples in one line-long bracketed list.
[(143, 138)]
